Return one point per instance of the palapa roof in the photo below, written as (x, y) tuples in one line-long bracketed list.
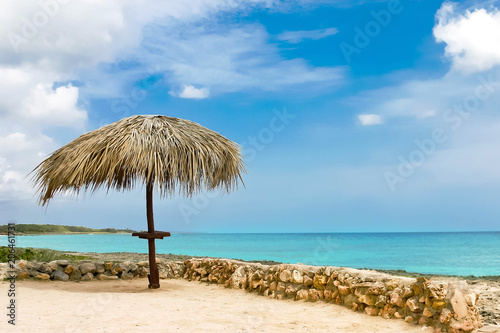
[(172, 153)]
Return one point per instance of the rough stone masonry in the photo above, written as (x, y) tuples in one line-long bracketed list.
[(449, 307)]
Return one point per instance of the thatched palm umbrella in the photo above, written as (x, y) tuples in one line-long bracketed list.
[(171, 154)]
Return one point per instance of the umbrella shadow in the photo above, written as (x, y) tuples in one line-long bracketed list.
[(135, 286)]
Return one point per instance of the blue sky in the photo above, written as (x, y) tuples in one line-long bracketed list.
[(352, 115)]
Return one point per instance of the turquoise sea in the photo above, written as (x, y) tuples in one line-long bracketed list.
[(456, 253)]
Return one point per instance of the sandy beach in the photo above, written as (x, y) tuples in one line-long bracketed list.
[(487, 287), (179, 306)]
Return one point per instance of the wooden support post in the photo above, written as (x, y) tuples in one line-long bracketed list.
[(154, 276)]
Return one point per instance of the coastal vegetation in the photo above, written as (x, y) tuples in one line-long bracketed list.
[(44, 229), (41, 255)]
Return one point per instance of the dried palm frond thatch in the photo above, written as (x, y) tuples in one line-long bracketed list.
[(170, 153)]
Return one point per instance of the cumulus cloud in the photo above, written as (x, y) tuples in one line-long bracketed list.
[(28, 104), (295, 37), (472, 39), (28, 95), (19, 154), (191, 92), (370, 119), (68, 34), (75, 47), (462, 105), (104, 47), (73, 34), (55, 106)]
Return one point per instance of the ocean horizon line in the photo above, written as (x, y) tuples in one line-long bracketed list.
[(334, 232), (437, 252), (291, 233)]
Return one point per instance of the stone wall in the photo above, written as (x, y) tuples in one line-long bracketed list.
[(86, 270), (447, 306)]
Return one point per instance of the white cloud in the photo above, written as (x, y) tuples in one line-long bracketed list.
[(19, 154), (47, 44), (80, 35), (248, 60), (192, 92), (295, 37), (77, 33), (13, 142), (370, 119), (27, 95), (473, 38), (105, 46), (86, 32), (55, 106), (146, 33)]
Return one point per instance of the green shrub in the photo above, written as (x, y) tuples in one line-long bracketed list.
[(41, 255)]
